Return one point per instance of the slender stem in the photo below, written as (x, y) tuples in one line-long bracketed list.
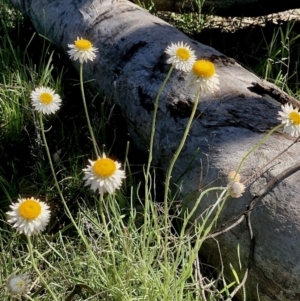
[(153, 132), (272, 160), (101, 212), (169, 172), (86, 111), (30, 249), (189, 215), (154, 120), (176, 154), (150, 156), (257, 145), (61, 195), (28, 297), (112, 251)]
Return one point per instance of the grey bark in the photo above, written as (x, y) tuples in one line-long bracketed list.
[(224, 7), (229, 122)]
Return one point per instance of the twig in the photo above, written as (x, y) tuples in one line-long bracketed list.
[(273, 159), (240, 219), (247, 214), (238, 287), (264, 87), (198, 278)]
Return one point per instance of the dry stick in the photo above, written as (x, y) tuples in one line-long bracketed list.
[(247, 214), (273, 159), (284, 174), (264, 87), (238, 287), (241, 217), (221, 262), (198, 277)]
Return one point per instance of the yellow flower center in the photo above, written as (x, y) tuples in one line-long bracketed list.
[(204, 68), (295, 117), (104, 167), (83, 45), (18, 283), (183, 54), (46, 98), (30, 209)]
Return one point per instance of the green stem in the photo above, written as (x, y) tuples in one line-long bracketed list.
[(257, 145), (86, 111), (153, 132), (176, 154), (147, 174), (112, 251), (189, 215), (30, 249), (61, 195), (101, 212), (154, 121), (169, 172), (28, 297)]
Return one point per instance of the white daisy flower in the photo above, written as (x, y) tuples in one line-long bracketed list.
[(104, 175), (236, 189), (182, 57), (29, 216), (45, 100), (291, 119), (82, 50), (203, 77), (18, 284)]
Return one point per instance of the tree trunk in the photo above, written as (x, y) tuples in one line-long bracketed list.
[(224, 7), (229, 122)]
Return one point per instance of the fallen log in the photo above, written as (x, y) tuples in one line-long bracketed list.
[(223, 7), (229, 122)]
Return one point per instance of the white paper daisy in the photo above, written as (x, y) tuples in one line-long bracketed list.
[(82, 50), (290, 117), (104, 175), (18, 284), (29, 216), (236, 189), (182, 57), (203, 77), (45, 100)]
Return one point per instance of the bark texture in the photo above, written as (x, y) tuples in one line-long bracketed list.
[(225, 7), (229, 122)]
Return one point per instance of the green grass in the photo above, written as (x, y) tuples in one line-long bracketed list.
[(127, 247)]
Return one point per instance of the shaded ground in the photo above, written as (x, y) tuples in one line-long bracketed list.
[(235, 23)]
